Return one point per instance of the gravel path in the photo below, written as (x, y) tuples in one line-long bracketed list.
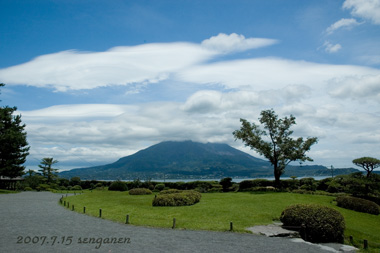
[(34, 222)]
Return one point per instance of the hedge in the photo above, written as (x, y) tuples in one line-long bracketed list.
[(118, 186), (317, 223), (358, 204), (182, 198), (140, 191)]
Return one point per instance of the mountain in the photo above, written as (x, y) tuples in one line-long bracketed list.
[(187, 159)]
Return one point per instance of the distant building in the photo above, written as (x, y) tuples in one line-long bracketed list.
[(9, 183)]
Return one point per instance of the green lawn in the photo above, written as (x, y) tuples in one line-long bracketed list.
[(215, 211)]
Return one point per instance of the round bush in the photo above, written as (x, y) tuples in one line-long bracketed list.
[(159, 187), (118, 186), (28, 188), (317, 223), (183, 198), (76, 188), (140, 191), (358, 204)]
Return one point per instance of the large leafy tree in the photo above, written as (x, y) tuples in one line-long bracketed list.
[(13, 144), (367, 163), (47, 170), (275, 141)]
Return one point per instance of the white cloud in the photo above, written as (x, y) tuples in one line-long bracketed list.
[(347, 23), (330, 48), (234, 43), (269, 73), (142, 64), (366, 9), (72, 70), (364, 88)]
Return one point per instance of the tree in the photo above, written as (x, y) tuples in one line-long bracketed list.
[(367, 163), (274, 142), (47, 171), (13, 144), (226, 183)]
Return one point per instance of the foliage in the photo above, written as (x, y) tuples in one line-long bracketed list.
[(358, 204), (275, 142), (367, 163), (140, 191), (170, 191), (182, 198), (76, 188), (247, 185), (47, 171), (12, 133), (159, 187), (118, 186), (28, 189), (226, 183), (318, 223)]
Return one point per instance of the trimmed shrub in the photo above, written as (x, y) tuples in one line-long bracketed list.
[(140, 191), (317, 223), (28, 189), (358, 204), (76, 188), (183, 198), (118, 186), (159, 187), (170, 191)]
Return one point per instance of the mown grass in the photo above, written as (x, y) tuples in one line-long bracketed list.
[(7, 191), (215, 211)]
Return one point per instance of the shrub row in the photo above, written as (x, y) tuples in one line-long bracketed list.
[(140, 191), (318, 223), (182, 198), (118, 186), (358, 204)]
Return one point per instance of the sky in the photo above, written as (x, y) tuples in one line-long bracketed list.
[(98, 80)]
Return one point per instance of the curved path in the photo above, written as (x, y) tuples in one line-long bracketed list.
[(34, 222)]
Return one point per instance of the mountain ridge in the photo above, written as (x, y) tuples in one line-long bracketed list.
[(185, 160)]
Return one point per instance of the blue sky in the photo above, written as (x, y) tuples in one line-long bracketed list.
[(98, 80)]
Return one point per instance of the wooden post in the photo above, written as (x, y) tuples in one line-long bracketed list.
[(351, 240), (173, 223), (64, 203), (68, 204), (127, 219), (72, 209), (231, 226), (365, 244), (100, 213), (84, 209)]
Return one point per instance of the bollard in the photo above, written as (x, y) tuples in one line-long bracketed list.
[(127, 219), (100, 213), (365, 244), (351, 240), (231, 226), (173, 223), (68, 204), (84, 209), (64, 203), (72, 208)]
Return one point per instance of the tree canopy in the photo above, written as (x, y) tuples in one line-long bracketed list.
[(13, 144), (367, 163), (46, 168), (275, 141)]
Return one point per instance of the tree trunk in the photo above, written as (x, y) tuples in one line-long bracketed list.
[(277, 175)]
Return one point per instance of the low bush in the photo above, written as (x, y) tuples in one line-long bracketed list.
[(159, 187), (247, 185), (76, 188), (118, 186), (169, 191), (140, 191), (28, 188), (317, 223), (358, 204), (182, 198)]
